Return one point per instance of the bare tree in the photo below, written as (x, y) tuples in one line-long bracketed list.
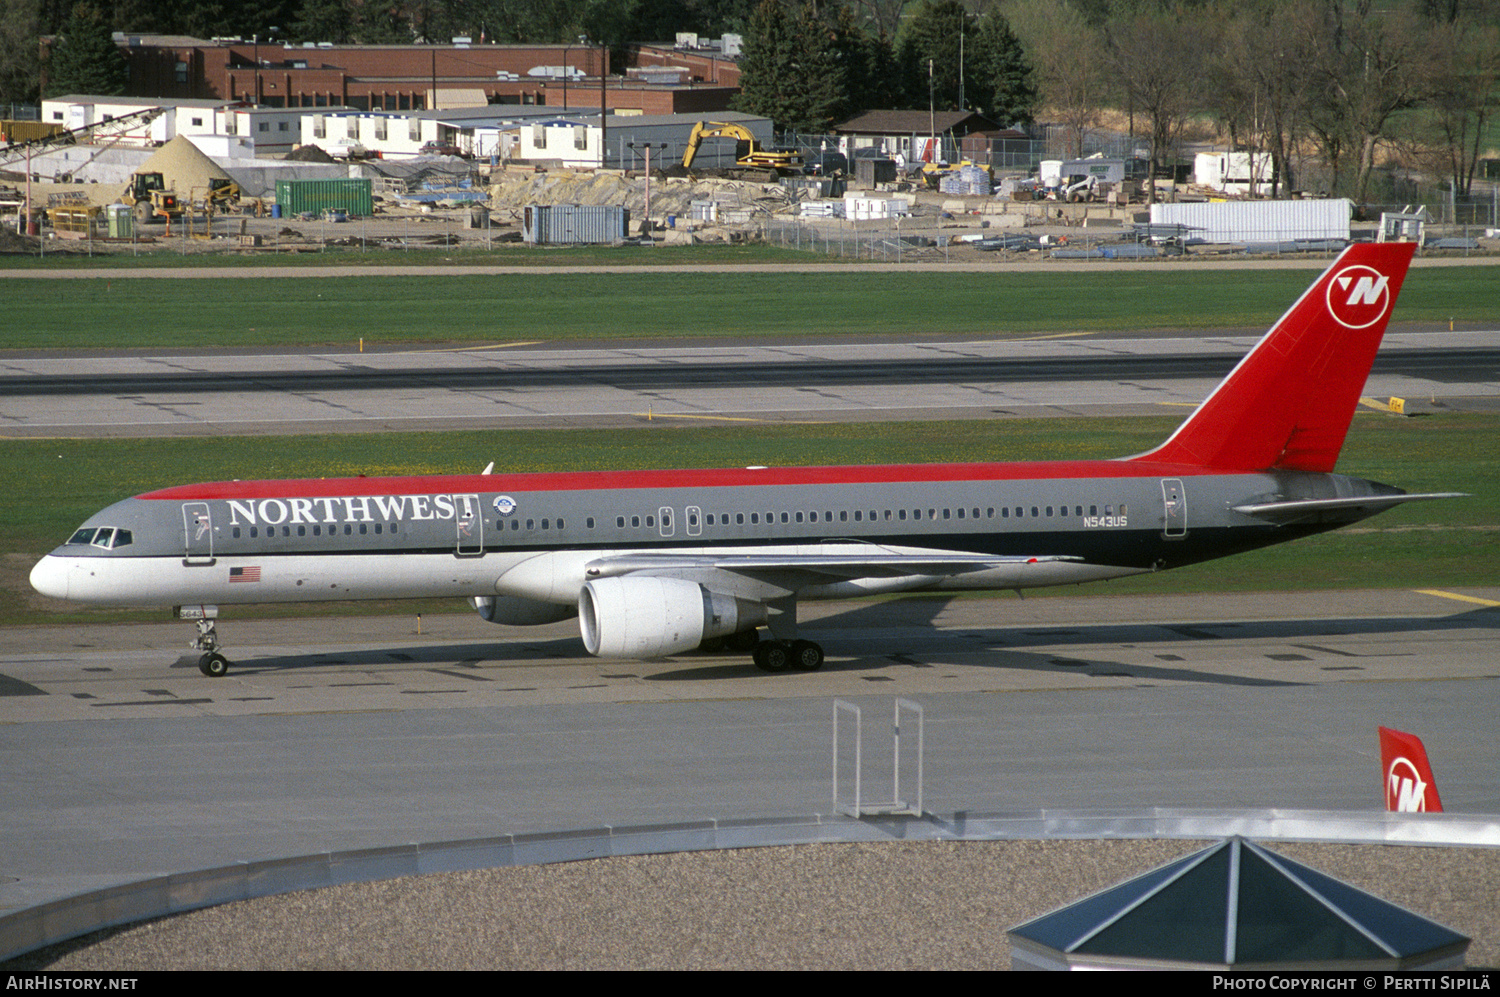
[(1158, 58), (1068, 61), (1464, 97), (1366, 66)]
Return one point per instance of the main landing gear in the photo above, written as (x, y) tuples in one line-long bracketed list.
[(212, 663), (783, 655), (773, 655)]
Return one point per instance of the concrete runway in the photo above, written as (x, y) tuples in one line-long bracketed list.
[(522, 386), (123, 762)]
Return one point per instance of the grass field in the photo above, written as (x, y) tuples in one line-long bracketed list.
[(185, 313), (48, 487)]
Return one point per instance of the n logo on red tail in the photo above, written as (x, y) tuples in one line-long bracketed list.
[(1358, 297), (1409, 785)]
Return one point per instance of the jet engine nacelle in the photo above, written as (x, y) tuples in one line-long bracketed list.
[(514, 611), (644, 616)]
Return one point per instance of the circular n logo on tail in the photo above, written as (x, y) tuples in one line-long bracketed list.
[(1358, 296)]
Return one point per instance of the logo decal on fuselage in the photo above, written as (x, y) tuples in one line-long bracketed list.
[(1405, 792), (505, 505), (351, 509), (1358, 297)]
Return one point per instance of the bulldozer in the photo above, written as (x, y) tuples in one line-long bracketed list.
[(751, 161), (149, 198)]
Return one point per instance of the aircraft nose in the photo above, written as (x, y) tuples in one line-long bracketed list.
[(50, 577)]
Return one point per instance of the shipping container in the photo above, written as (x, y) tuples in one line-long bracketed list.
[(1258, 221), (574, 224), (353, 197)]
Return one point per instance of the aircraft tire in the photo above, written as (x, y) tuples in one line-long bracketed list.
[(214, 665), (806, 656), (772, 656)]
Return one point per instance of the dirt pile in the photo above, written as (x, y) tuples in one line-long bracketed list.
[(671, 196), (183, 167)]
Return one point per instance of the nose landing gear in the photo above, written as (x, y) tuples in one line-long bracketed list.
[(212, 663)]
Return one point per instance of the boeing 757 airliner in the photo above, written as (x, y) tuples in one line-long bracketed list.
[(655, 563)]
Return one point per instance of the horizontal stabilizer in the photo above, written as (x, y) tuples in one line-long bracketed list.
[(1283, 512)]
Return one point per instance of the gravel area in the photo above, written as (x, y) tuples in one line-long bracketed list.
[(943, 905)]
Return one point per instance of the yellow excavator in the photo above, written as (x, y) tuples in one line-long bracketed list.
[(751, 161)]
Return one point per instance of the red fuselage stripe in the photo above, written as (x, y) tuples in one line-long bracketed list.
[(712, 478)]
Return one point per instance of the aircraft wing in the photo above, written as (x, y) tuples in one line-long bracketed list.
[(1295, 510), (795, 570)]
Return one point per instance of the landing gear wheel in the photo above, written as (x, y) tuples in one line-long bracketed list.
[(214, 665), (806, 656), (745, 640), (772, 656)]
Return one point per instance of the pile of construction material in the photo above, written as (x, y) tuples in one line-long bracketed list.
[(966, 180), (673, 196)]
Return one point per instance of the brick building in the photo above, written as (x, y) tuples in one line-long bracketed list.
[(410, 77)]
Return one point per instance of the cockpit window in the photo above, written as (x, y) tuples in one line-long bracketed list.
[(102, 536)]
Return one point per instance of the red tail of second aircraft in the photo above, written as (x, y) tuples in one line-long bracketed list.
[(1288, 404), (1409, 785)]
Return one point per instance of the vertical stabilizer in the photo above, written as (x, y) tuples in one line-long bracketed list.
[(1409, 785), (1289, 402)]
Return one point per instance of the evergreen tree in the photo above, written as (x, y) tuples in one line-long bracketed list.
[(85, 58), (322, 21), (767, 62), (931, 55), (1001, 87), (19, 30), (797, 65)]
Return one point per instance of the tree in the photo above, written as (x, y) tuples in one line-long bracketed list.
[(1002, 88), (20, 27), (798, 65), (1365, 67), (85, 58), (1069, 59), (1158, 58), (1465, 96), (931, 50)]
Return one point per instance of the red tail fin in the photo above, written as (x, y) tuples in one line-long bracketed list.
[(1409, 785), (1289, 402)]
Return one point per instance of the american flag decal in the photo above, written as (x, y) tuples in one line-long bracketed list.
[(245, 574)]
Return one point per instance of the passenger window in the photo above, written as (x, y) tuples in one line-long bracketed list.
[(620, 522), (635, 521), (544, 524), (739, 519), (589, 522), (236, 532)]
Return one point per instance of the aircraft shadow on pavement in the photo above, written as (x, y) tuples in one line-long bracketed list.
[(860, 626), (1008, 643)]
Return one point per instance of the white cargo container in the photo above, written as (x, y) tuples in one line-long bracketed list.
[(1259, 221), (1237, 172), (862, 207)]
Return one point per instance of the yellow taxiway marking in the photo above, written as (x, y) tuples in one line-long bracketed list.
[(677, 415), (1461, 598), (473, 349)]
